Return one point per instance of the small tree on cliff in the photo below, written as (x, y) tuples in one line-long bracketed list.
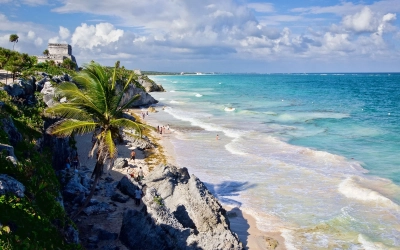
[(14, 39), (97, 106)]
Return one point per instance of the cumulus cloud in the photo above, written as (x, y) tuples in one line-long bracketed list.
[(64, 32), (90, 36)]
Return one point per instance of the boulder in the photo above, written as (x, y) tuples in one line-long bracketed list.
[(8, 149), (99, 208), (48, 92), (15, 90), (144, 100), (73, 188), (13, 135), (127, 187), (142, 144), (186, 199), (117, 197), (139, 231), (9, 185), (149, 85), (120, 163)]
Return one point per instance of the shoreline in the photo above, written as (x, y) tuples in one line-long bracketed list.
[(241, 223)]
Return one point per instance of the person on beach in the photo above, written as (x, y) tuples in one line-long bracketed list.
[(217, 137), (138, 196), (168, 127), (67, 163), (140, 174), (75, 162), (133, 155)]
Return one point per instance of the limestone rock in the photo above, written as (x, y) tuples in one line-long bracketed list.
[(188, 205), (142, 144), (9, 185), (117, 197), (271, 243), (48, 92), (127, 187), (144, 100), (100, 208), (150, 86), (13, 135), (120, 163), (8, 149)]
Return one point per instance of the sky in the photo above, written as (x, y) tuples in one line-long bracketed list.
[(235, 36)]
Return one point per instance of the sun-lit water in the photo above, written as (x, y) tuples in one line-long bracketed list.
[(312, 156)]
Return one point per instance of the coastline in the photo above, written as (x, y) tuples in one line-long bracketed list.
[(242, 223)]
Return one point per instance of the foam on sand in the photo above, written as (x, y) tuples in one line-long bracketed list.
[(198, 95)]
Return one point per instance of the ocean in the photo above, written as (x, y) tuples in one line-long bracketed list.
[(313, 156)]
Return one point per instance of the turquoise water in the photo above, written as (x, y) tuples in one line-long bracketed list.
[(312, 156)]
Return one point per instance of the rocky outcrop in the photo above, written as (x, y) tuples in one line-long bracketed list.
[(13, 135), (142, 144), (9, 185), (48, 92), (144, 100), (149, 85), (179, 210)]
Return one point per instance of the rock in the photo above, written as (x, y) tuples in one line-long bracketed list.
[(13, 135), (48, 92), (152, 110), (71, 235), (129, 117), (9, 185), (100, 208), (63, 100), (127, 187), (105, 235), (186, 200), (142, 144), (120, 163), (119, 198), (40, 84), (28, 86), (271, 243), (139, 231), (73, 188), (14, 89), (144, 100), (149, 85), (12, 159), (108, 179), (9, 150)]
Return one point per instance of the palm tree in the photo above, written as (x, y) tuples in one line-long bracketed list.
[(14, 39), (46, 52), (94, 106)]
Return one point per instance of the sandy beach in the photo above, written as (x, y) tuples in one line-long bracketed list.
[(241, 223)]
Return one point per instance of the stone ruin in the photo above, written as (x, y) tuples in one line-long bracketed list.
[(58, 52)]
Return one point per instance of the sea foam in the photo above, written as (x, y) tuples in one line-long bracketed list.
[(353, 190)]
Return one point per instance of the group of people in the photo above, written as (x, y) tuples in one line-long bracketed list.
[(75, 163), (163, 129), (144, 114)]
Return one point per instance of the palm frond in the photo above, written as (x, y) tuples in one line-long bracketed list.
[(129, 103), (66, 127), (70, 111), (109, 144)]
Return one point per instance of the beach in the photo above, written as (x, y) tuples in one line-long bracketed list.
[(241, 223)]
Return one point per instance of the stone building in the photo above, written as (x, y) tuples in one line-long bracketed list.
[(58, 52)]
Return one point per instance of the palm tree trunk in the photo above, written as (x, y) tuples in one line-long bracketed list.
[(98, 170)]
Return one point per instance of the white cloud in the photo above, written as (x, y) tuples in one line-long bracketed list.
[(262, 7), (64, 32), (35, 2), (54, 39), (38, 41), (90, 36), (361, 21), (31, 34)]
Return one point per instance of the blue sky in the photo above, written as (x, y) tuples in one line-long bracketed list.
[(213, 36)]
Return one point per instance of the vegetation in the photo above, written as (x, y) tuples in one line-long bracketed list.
[(36, 221), (14, 39), (95, 105), (46, 52)]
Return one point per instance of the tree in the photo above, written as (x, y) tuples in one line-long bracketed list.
[(46, 52), (14, 39), (95, 106), (68, 64)]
